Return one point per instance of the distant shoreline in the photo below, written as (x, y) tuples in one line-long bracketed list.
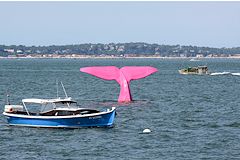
[(98, 57)]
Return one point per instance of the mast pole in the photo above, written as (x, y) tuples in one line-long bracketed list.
[(64, 90), (57, 87), (65, 93), (7, 99)]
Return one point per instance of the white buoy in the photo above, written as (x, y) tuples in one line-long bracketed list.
[(146, 130)]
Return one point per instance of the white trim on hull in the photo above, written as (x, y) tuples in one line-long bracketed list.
[(59, 117)]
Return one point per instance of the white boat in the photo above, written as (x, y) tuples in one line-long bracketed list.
[(194, 60)]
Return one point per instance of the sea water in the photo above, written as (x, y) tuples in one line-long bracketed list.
[(190, 116)]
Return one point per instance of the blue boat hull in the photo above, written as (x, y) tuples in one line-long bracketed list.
[(99, 120)]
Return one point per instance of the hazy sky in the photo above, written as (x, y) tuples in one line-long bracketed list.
[(214, 24)]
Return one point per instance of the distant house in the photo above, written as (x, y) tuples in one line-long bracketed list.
[(120, 49), (210, 55), (19, 51), (199, 55), (234, 56), (21, 55), (183, 55), (9, 50)]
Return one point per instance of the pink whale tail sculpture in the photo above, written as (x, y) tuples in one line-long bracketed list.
[(123, 76)]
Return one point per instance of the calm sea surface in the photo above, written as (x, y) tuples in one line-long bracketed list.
[(191, 117)]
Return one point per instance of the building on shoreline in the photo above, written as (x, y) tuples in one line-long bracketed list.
[(76, 56)]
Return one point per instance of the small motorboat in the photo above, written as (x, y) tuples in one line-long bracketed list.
[(194, 70), (194, 60), (59, 113)]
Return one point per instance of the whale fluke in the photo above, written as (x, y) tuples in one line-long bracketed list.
[(123, 76)]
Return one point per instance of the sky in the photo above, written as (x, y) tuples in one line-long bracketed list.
[(212, 24)]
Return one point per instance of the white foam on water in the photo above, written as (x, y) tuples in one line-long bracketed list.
[(219, 73), (147, 130), (235, 74)]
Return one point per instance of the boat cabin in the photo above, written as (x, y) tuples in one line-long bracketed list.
[(48, 107)]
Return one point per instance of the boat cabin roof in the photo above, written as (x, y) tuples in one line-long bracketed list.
[(202, 66), (45, 101)]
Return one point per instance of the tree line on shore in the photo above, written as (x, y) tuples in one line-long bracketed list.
[(118, 49)]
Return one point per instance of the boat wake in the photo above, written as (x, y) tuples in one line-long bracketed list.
[(236, 74), (220, 73), (224, 73)]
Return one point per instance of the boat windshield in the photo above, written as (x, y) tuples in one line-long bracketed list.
[(67, 104)]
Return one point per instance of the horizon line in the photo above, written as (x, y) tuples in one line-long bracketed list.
[(113, 43)]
